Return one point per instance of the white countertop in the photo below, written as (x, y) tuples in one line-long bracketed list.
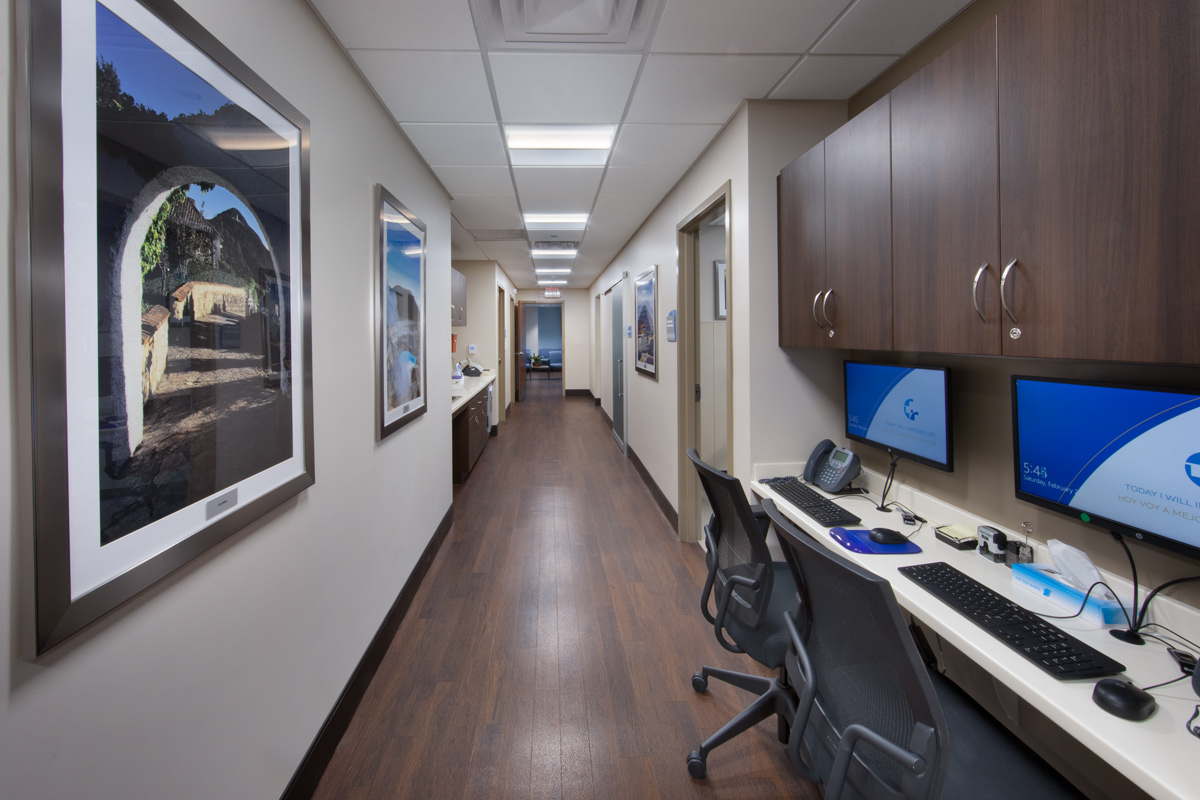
[(470, 388)]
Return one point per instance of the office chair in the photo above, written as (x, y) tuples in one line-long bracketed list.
[(751, 594), (871, 718)]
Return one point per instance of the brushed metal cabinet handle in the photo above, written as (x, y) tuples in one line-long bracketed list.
[(816, 297), (975, 292), (825, 307), (1003, 296)]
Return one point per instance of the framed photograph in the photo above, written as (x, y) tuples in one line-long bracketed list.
[(169, 357), (719, 275), (400, 315), (645, 303)]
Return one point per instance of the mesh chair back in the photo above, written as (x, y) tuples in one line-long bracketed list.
[(736, 543), (867, 672)]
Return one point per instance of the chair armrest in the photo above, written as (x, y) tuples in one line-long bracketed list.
[(803, 703), (850, 737), (723, 606), (711, 544)]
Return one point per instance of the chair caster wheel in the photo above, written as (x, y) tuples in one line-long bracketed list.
[(700, 684), (696, 767)]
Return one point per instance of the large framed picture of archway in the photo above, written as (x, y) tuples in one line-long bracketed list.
[(400, 316), (169, 360)]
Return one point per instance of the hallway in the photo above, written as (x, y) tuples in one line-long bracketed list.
[(550, 649)]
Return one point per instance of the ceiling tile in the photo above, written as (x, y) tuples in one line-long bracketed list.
[(557, 203), (760, 26), (557, 180), (458, 145), (700, 89), (831, 77), (399, 24), (479, 211), (661, 145), (641, 180), (394, 73), (563, 88), (887, 27), (475, 180)]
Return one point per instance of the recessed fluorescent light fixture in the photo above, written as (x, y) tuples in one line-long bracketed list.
[(553, 253), (559, 137), (559, 145), (576, 221), (552, 283), (553, 270)]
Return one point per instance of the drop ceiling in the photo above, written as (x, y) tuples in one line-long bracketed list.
[(667, 73)]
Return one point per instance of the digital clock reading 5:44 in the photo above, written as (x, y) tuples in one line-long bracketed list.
[(1033, 471)]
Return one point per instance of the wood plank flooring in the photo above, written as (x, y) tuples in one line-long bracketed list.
[(550, 649)]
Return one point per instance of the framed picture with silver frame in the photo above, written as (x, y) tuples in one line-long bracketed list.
[(645, 305), (165, 306), (401, 365)]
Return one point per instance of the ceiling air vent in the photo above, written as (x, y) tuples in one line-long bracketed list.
[(527, 24), (555, 245), (499, 235)]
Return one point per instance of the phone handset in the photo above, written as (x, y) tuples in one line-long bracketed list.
[(831, 467)]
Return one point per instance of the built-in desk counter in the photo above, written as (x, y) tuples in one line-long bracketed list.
[(1114, 757)]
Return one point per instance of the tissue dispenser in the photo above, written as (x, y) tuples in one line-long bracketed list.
[(1044, 579)]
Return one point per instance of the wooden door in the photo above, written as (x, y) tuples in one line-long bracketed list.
[(802, 283), (946, 203), (858, 230), (519, 360), (1099, 169)]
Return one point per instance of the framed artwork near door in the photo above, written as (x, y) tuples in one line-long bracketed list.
[(400, 364), (645, 304), (167, 294)]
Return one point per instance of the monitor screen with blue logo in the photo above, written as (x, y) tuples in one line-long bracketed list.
[(904, 410), (1124, 458)]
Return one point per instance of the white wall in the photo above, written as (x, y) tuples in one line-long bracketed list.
[(782, 130), (480, 329), (214, 682)]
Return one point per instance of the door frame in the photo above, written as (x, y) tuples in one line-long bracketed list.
[(687, 329)]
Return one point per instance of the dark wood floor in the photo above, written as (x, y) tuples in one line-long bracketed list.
[(550, 649)]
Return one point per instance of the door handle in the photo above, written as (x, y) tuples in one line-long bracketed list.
[(620, 377), (1003, 298), (975, 292)]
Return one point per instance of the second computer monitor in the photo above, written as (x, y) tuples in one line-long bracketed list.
[(904, 410)]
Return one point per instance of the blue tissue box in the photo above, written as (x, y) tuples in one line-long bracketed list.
[(1044, 579)]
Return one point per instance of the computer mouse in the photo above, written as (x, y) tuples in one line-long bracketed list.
[(887, 536), (1123, 699)]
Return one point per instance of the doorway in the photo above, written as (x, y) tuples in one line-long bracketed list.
[(501, 348), (705, 345), (543, 342)]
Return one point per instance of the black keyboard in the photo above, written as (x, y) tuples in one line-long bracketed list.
[(815, 505), (1059, 653)]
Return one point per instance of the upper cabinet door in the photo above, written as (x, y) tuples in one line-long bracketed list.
[(1099, 109), (802, 251), (945, 203), (858, 230)]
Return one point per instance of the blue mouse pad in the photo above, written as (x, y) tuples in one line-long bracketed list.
[(858, 540)]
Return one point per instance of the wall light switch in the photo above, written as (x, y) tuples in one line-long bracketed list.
[(471, 349)]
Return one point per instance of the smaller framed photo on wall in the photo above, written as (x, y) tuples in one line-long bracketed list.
[(645, 303), (719, 274), (401, 365)]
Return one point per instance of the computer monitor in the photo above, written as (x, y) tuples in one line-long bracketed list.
[(903, 410), (1124, 458)]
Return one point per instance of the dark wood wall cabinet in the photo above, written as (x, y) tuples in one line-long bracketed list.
[(469, 431), (1043, 185)]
